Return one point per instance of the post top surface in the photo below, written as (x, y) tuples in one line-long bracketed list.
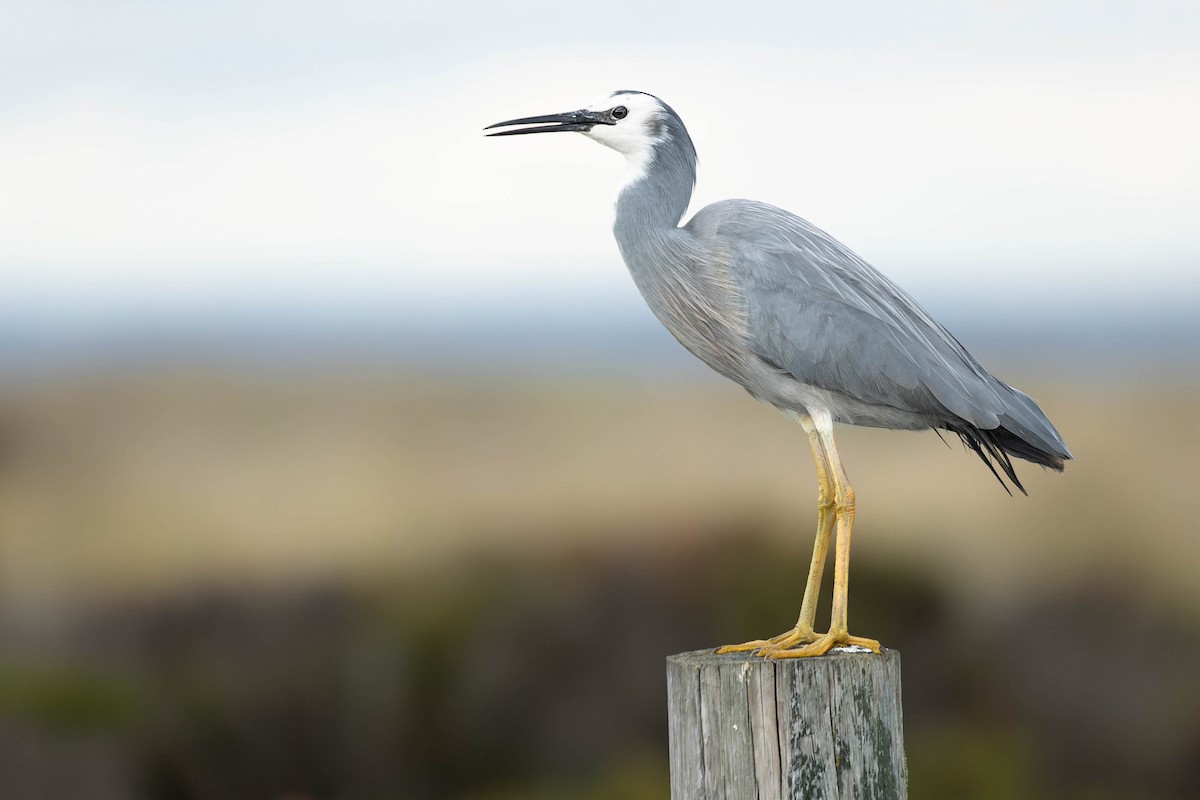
[(709, 657)]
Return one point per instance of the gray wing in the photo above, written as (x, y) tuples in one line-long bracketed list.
[(821, 313)]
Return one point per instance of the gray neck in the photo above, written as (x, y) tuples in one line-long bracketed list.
[(657, 200)]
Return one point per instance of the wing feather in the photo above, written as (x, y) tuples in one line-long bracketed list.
[(831, 320)]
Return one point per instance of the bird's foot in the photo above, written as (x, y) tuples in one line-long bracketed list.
[(822, 645), (797, 635)]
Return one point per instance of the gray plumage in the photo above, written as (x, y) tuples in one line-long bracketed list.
[(784, 309), (788, 312)]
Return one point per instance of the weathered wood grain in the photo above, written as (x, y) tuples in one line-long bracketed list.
[(742, 727)]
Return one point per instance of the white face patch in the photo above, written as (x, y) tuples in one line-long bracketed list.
[(634, 136)]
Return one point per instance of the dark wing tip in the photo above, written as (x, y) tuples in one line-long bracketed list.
[(997, 446)]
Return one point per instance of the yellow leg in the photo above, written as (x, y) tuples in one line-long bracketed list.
[(803, 632), (843, 508), (825, 521)]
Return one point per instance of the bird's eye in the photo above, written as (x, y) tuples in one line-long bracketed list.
[(620, 112)]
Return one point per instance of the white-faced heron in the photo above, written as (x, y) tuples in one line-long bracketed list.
[(788, 312)]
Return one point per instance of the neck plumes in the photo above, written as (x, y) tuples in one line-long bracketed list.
[(656, 191)]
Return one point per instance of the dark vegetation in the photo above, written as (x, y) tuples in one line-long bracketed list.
[(527, 677)]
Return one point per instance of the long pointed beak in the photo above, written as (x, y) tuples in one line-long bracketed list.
[(581, 120)]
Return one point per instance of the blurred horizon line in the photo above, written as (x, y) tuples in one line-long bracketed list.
[(612, 334)]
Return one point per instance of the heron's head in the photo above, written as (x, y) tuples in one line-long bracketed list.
[(632, 123)]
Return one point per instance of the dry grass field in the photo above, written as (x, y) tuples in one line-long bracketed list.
[(120, 485)]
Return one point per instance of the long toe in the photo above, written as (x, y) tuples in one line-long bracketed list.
[(783, 641), (763, 646), (743, 647), (819, 647), (859, 641), (823, 644)]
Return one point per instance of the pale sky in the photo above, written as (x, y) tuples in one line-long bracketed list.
[(167, 157)]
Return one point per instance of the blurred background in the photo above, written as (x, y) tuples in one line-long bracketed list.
[(339, 457)]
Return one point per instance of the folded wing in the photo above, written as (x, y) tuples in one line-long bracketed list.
[(829, 319)]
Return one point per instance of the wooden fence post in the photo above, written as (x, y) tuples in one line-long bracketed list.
[(747, 728)]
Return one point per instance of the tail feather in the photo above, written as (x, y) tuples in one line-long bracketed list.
[(1024, 431), (994, 447)]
